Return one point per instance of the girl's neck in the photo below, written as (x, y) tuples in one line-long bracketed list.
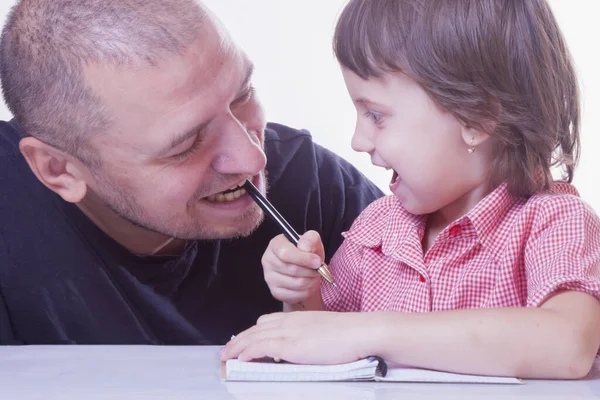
[(438, 220)]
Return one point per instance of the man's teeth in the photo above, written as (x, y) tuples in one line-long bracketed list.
[(225, 197)]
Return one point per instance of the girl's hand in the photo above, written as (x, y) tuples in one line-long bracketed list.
[(290, 271), (305, 338)]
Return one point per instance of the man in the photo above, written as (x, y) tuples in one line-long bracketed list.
[(123, 220)]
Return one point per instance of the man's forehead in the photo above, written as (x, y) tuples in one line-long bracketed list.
[(175, 94), (211, 59)]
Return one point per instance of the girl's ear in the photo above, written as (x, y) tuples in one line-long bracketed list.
[(473, 137)]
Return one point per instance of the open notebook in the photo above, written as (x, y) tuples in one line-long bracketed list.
[(368, 369)]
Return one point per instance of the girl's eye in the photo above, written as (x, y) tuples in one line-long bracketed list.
[(373, 116)]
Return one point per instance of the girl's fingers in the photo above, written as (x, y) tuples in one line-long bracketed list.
[(287, 253), (265, 330), (276, 280)]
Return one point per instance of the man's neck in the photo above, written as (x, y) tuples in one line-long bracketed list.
[(137, 240)]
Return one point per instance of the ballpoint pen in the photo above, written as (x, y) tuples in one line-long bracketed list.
[(287, 229)]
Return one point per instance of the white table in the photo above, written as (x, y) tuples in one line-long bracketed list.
[(145, 372)]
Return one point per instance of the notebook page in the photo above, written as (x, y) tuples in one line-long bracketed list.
[(397, 373), (267, 371)]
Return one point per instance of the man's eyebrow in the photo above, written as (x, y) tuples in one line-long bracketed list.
[(183, 137)]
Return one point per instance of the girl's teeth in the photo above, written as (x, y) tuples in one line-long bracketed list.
[(223, 198)]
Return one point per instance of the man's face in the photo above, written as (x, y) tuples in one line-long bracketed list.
[(187, 132)]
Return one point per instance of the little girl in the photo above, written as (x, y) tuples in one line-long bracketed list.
[(478, 263)]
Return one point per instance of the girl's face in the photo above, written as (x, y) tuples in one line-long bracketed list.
[(427, 148)]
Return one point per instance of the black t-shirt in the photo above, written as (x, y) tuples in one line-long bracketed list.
[(62, 280)]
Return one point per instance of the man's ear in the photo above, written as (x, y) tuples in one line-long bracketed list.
[(58, 171)]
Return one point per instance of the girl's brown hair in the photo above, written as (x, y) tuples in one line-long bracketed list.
[(501, 63)]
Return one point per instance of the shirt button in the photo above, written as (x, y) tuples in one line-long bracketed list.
[(455, 230), (421, 278)]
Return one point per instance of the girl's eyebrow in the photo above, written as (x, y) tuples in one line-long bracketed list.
[(369, 103)]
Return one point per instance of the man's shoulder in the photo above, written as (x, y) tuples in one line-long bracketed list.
[(281, 133), (21, 194), (283, 143), (290, 142), (289, 152), (284, 139), (15, 174), (314, 188), (14, 171), (288, 148), (9, 140)]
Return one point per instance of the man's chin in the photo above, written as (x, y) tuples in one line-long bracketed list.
[(234, 234), (229, 230)]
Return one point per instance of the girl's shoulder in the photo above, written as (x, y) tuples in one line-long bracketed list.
[(559, 214), (562, 200)]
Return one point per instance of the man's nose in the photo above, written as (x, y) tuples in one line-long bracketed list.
[(240, 150)]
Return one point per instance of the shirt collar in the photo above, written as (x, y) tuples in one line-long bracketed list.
[(490, 211), (387, 225)]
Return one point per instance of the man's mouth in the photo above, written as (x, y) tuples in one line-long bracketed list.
[(228, 195)]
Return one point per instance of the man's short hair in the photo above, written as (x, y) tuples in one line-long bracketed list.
[(46, 44)]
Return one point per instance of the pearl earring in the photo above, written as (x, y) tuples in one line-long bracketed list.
[(471, 149)]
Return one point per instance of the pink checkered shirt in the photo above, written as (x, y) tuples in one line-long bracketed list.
[(506, 252)]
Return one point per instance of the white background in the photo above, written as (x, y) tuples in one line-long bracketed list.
[(300, 84)]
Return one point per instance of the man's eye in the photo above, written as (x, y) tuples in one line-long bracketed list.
[(246, 97), (188, 152)]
